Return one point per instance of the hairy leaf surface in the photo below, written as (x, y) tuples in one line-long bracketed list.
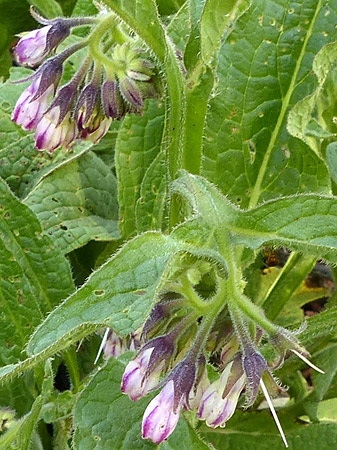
[(77, 203), (247, 150)]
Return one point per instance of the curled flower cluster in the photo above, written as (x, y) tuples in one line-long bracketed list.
[(109, 84), (175, 360)]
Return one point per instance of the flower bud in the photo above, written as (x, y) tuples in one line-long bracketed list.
[(35, 45), (161, 416), (114, 346), (131, 93), (254, 365), (32, 47), (87, 103), (48, 75), (28, 112), (136, 381), (98, 128), (112, 101), (215, 409), (50, 135)]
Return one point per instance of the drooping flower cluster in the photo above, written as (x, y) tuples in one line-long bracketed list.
[(114, 79), (175, 360)]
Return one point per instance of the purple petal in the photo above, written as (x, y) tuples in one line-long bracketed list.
[(159, 419)]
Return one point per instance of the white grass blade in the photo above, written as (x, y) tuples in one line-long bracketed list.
[(307, 361), (105, 338), (272, 409)]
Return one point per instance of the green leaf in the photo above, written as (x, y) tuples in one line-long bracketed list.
[(305, 222), (119, 294), (108, 421), (48, 8), (77, 203), (151, 205), (138, 144), (17, 394), (179, 27), (20, 310), (312, 118), (35, 276), (84, 8), (204, 199), (257, 431), (10, 371), (192, 52), (19, 436), (247, 150), (167, 7), (214, 21), (327, 361)]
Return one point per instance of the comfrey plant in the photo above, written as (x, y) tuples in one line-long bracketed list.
[(168, 226)]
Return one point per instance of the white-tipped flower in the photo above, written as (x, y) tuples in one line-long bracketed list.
[(214, 409), (161, 416), (28, 112), (31, 48), (50, 135), (137, 382)]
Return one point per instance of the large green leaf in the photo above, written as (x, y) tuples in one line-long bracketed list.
[(100, 417), (35, 276), (214, 21), (77, 203), (264, 69), (138, 144), (119, 294), (306, 222), (151, 205), (257, 431)]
